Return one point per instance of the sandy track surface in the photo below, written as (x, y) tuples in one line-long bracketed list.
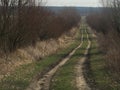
[(80, 79)]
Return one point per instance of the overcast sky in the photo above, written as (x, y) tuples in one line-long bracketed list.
[(88, 3)]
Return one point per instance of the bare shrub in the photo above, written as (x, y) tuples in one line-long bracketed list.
[(23, 23)]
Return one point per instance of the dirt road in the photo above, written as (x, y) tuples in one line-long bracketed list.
[(44, 82), (80, 79)]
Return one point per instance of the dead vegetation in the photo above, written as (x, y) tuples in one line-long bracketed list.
[(107, 29), (23, 23)]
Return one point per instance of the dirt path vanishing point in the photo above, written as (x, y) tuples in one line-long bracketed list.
[(80, 79), (44, 82)]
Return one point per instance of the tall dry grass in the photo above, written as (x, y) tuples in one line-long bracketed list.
[(35, 53)]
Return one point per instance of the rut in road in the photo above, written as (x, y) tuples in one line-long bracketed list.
[(80, 79), (44, 82)]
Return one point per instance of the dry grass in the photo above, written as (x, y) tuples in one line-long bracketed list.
[(33, 53)]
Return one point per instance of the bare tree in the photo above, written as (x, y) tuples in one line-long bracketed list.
[(23, 23)]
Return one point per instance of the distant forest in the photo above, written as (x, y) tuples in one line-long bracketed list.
[(81, 10)]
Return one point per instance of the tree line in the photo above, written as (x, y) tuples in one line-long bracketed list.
[(23, 23)]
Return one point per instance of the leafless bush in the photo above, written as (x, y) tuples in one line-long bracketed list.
[(22, 23)]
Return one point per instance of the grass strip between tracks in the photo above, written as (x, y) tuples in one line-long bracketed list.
[(64, 79)]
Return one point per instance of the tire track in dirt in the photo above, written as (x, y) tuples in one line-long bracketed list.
[(44, 82), (80, 79)]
